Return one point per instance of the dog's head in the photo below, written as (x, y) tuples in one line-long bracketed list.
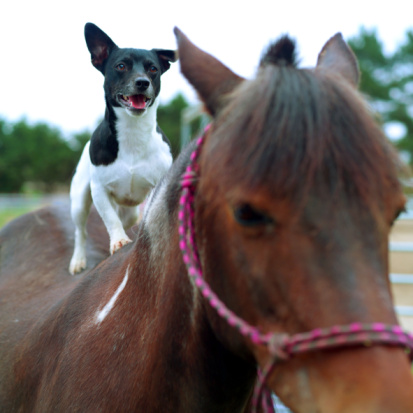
[(132, 76)]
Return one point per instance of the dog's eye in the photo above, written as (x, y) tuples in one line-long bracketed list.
[(153, 69), (121, 67)]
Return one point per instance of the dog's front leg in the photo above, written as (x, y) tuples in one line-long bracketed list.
[(80, 202), (80, 205), (105, 205)]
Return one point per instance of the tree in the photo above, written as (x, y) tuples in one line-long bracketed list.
[(169, 119), (35, 153), (387, 80)]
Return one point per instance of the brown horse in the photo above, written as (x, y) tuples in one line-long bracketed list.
[(296, 193)]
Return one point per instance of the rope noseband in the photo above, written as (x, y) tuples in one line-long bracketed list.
[(280, 346)]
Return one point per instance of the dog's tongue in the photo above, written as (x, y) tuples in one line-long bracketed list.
[(138, 101)]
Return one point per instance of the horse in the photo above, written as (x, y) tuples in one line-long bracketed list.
[(260, 264)]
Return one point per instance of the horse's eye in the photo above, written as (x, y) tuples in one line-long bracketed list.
[(248, 216)]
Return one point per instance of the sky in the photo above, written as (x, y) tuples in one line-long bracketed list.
[(46, 74)]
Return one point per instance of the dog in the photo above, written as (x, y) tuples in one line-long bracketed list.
[(128, 153)]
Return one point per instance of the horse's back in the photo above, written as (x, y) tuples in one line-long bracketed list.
[(35, 251)]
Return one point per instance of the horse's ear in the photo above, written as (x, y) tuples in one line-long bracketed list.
[(337, 57), (211, 79), (100, 46)]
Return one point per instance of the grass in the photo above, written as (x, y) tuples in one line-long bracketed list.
[(8, 214)]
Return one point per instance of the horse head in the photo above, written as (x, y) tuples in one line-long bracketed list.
[(296, 194)]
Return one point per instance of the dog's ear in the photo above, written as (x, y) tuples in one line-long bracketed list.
[(211, 79), (336, 57), (166, 57), (100, 45)]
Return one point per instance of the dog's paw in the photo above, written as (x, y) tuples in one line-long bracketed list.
[(77, 266), (119, 244)]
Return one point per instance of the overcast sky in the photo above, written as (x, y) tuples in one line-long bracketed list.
[(46, 74)]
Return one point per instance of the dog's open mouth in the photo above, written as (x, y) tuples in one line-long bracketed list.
[(134, 101)]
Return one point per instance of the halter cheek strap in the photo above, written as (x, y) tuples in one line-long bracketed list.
[(281, 346)]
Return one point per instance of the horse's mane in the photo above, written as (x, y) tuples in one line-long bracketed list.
[(292, 129)]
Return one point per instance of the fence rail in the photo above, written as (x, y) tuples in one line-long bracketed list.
[(10, 201), (398, 246), (401, 278)]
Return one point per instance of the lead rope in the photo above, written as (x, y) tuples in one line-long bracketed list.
[(280, 346)]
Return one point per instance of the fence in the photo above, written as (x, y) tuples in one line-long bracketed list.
[(19, 201), (401, 266)]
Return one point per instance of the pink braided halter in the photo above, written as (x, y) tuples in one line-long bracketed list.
[(280, 346)]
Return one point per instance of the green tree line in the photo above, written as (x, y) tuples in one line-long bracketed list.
[(36, 153)]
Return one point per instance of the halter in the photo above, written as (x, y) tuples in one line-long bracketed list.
[(281, 346)]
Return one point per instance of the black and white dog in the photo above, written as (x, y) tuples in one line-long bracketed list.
[(128, 153)]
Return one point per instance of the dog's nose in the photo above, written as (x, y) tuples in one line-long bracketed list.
[(142, 84)]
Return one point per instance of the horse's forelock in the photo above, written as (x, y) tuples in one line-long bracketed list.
[(292, 129), (281, 52)]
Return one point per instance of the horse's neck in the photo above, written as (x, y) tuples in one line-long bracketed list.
[(193, 360)]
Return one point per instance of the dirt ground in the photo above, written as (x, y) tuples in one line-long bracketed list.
[(402, 263)]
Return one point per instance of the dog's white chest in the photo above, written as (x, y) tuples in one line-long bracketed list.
[(136, 170)]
